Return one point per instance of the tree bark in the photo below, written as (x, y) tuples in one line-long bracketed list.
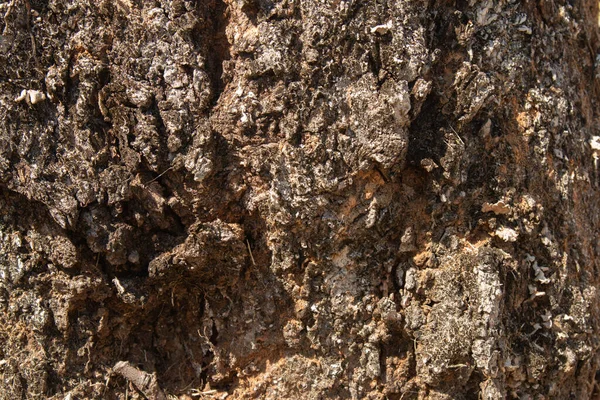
[(299, 199)]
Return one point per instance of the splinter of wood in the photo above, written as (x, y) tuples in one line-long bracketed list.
[(143, 381)]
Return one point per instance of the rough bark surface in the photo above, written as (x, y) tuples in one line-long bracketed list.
[(285, 199)]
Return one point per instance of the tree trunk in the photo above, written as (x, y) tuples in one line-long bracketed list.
[(299, 199)]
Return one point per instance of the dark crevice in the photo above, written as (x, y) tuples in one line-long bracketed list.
[(162, 136), (218, 49), (425, 139), (473, 387), (375, 61)]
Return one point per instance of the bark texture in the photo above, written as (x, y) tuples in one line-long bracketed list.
[(299, 199)]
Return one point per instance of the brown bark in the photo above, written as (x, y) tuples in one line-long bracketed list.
[(277, 199)]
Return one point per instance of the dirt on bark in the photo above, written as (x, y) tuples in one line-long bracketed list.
[(299, 199)]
